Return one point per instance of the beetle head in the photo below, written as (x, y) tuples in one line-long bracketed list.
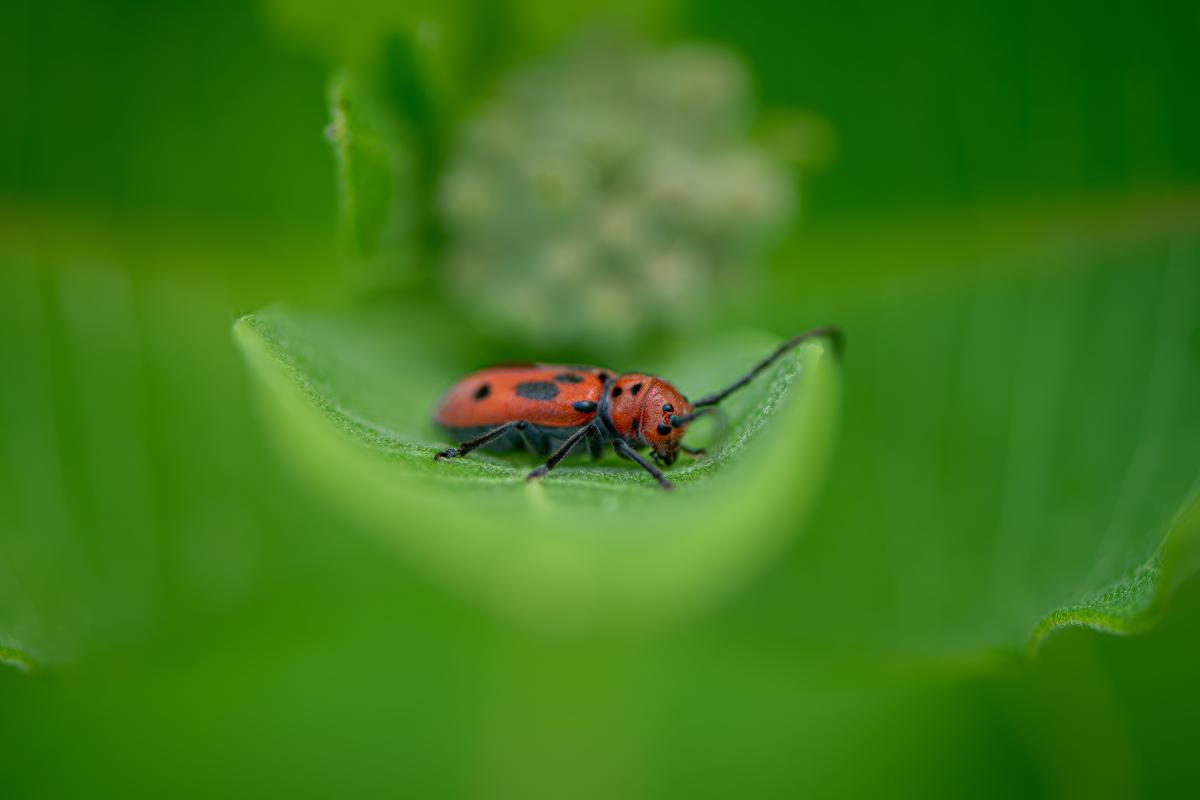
[(659, 420)]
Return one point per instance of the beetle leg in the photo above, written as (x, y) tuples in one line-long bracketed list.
[(560, 453), (625, 451), (478, 441), (596, 442), (692, 451), (531, 443)]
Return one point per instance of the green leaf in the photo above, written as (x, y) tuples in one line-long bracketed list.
[(17, 659), (544, 23), (97, 553), (378, 193), (444, 31), (1019, 439), (351, 395), (136, 494), (1139, 599)]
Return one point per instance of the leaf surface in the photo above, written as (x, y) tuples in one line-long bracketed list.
[(1021, 443), (352, 395)]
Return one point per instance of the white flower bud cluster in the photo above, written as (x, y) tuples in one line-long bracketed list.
[(608, 193)]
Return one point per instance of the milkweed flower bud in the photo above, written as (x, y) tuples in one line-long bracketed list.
[(609, 192)]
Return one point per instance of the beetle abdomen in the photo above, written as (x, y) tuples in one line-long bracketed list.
[(546, 395)]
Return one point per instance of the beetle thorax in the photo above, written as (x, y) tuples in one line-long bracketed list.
[(624, 404)]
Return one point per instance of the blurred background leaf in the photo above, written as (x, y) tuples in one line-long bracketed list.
[(180, 115), (1038, 460), (378, 192), (940, 108)]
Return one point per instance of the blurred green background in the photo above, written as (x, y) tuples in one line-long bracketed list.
[(1005, 218)]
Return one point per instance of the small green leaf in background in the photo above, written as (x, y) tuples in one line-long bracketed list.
[(377, 187), (442, 33), (357, 390)]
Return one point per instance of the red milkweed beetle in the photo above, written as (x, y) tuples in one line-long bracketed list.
[(550, 408)]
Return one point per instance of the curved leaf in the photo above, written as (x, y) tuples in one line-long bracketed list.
[(1019, 438), (1139, 599), (17, 659), (351, 396)]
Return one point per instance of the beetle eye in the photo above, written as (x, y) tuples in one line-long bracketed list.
[(668, 408), (663, 429)]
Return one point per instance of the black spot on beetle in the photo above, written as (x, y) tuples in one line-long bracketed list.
[(537, 390), (568, 377), (636, 420), (667, 407), (663, 429), (483, 391), (603, 376), (637, 387), (616, 392), (584, 405)]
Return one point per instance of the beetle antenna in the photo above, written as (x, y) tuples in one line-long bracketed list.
[(678, 420), (833, 333)]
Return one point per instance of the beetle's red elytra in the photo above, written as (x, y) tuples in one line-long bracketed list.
[(550, 409)]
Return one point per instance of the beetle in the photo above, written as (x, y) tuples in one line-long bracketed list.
[(550, 409)]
